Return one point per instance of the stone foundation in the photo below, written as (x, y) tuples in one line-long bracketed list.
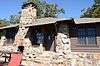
[(48, 58)]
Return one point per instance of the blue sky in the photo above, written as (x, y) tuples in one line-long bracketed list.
[(72, 7)]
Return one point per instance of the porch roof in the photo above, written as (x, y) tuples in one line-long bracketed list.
[(44, 21), (41, 21), (10, 26), (86, 20)]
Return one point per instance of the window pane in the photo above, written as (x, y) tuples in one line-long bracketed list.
[(82, 40), (81, 36), (81, 32), (91, 35), (87, 35), (91, 40), (91, 31)]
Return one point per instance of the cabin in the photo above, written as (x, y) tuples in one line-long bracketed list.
[(83, 33), (53, 34)]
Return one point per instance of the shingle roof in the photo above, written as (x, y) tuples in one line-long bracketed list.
[(86, 20), (42, 21), (10, 26)]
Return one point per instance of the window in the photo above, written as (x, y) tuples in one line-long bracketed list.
[(86, 35)]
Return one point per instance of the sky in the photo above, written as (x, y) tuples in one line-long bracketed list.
[(72, 7)]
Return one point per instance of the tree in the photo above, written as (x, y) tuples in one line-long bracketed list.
[(3, 22), (93, 11), (14, 19), (45, 9)]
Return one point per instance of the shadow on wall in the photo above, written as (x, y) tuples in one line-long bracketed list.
[(42, 34), (10, 34)]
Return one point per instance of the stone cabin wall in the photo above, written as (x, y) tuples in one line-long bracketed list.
[(63, 44)]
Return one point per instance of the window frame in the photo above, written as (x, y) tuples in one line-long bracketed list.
[(85, 28)]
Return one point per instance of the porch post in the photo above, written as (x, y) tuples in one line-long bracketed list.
[(63, 40)]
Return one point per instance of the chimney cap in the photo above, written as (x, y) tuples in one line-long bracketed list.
[(27, 4)]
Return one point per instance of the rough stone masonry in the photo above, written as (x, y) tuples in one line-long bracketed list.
[(63, 55)]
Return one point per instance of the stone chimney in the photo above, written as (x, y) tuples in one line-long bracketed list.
[(28, 13)]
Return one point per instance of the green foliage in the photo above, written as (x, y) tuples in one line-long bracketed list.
[(97, 1), (93, 11), (45, 9), (14, 19), (3, 22)]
